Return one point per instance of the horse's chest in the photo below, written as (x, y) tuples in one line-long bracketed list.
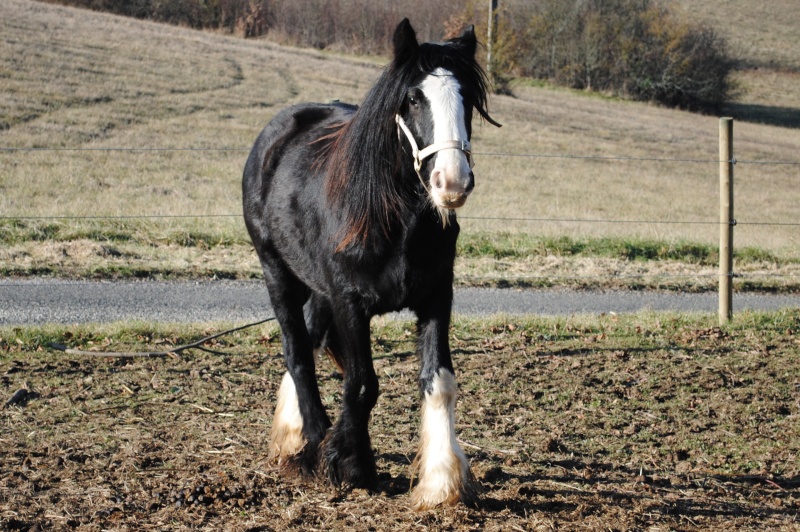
[(408, 279)]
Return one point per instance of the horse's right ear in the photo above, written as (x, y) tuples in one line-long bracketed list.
[(468, 41), (405, 42)]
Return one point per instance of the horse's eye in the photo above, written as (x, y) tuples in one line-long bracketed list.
[(413, 101)]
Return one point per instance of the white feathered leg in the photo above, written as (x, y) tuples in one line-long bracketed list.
[(286, 436), (442, 468)]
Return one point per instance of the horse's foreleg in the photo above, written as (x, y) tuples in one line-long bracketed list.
[(347, 457), (441, 466)]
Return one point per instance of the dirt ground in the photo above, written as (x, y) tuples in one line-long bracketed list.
[(609, 423)]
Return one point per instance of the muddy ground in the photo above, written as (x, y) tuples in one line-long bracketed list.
[(608, 423)]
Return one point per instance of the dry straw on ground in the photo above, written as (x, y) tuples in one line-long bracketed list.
[(647, 422)]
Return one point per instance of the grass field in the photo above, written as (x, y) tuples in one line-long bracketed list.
[(636, 422), (764, 38), (564, 164)]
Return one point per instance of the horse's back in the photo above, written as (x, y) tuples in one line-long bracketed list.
[(285, 130), (290, 134)]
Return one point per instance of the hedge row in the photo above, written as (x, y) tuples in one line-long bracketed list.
[(639, 49)]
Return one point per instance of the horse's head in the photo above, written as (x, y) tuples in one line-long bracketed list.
[(422, 103), (435, 117)]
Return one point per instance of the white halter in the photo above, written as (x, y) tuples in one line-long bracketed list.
[(421, 155)]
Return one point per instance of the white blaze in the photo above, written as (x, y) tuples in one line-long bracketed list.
[(447, 107)]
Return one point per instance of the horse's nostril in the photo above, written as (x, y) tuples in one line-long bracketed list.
[(437, 179), (470, 183)]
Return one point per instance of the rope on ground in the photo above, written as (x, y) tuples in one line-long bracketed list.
[(158, 354)]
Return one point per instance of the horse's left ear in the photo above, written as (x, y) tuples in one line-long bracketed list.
[(405, 42), (467, 40)]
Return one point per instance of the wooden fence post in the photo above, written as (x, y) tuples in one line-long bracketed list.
[(726, 220), (490, 39)]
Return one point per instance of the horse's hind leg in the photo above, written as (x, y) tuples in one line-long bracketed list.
[(319, 322), (300, 420)]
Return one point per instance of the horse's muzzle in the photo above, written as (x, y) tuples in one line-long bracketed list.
[(449, 190)]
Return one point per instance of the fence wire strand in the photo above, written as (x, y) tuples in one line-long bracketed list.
[(462, 218), (618, 158)]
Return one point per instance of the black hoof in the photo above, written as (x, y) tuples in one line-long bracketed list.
[(348, 462), (302, 465)]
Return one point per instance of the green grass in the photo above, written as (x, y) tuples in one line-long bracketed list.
[(220, 248), (477, 244), (645, 329), (502, 245), (520, 245), (148, 232)]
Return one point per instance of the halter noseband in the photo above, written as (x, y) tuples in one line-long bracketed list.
[(421, 155)]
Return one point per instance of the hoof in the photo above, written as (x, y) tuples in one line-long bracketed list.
[(303, 464), (449, 484), (348, 464), (294, 451)]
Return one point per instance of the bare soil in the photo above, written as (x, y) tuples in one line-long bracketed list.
[(604, 423)]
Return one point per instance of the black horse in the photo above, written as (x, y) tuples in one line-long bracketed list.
[(351, 219)]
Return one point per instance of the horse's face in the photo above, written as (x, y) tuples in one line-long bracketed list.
[(440, 121), (435, 116)]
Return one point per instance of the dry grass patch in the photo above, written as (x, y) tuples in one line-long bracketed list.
[(761, 33), (569, 194), (99, 82)]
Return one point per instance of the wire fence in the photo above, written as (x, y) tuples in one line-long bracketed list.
[(483, 154), (146, 149), (484, 218), (661, 277)]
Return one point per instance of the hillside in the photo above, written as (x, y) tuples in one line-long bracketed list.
[(760, 34), (764, 38), (563, 164)]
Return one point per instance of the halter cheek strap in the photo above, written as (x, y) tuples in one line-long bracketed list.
[(421, 155)]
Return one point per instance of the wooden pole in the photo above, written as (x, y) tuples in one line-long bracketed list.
[(726, 220), (490, 37)]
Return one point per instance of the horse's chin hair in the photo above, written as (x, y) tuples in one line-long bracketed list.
[(444, 214)]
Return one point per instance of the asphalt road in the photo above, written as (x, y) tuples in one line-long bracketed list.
[(39, 301)]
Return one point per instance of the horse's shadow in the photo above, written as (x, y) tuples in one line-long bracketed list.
[(572, 491), (679, 497)]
